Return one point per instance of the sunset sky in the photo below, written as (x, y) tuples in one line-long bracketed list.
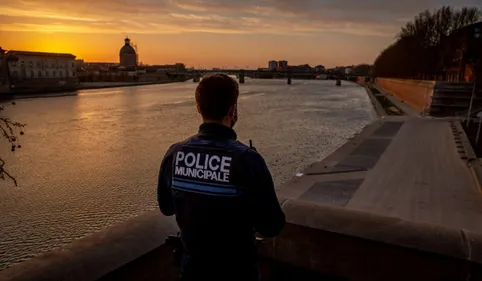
[(207, 33)]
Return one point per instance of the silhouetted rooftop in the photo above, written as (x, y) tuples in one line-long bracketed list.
[(28, 53)]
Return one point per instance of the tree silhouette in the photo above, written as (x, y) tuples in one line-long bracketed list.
[(362, 70), (9, 129), (422, 45)]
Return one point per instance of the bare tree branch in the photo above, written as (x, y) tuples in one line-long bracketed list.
[(4, 173), (8, 130)]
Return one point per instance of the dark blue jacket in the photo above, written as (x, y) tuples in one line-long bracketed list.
[(221, 192)]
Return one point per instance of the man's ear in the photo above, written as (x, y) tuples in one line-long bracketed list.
[(231, 111), (198, 109)]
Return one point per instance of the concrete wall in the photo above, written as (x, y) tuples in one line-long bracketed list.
[(97, 255), (322, 240), (357, 246), (415, 93)]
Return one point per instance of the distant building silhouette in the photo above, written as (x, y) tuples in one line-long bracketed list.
[(30, 71), (4, 86), (127, 55), (320, 69), (273, 65), (464, 54), (282, 65), (300, 68)]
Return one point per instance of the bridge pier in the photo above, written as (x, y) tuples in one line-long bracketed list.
[(241, 77)]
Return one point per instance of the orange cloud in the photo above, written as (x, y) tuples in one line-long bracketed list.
[(202, 30), (161, 17)]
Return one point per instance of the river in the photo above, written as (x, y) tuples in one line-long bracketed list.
[(91, 160)]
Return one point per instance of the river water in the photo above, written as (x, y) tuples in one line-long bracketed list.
[(91, 160)]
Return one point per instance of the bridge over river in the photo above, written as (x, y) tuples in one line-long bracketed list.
[(253, 73)]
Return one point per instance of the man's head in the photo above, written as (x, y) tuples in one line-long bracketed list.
[(217, 98)]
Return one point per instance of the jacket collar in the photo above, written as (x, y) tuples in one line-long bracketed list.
[(216, 130)]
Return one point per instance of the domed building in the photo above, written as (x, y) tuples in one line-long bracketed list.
[(127, 54)]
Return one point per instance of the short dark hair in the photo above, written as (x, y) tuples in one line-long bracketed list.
[(215, 94)]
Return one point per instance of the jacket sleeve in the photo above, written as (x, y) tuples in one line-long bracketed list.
[(164, 193), (266, 211)]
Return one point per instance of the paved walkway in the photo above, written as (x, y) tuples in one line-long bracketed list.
[(421, 177), (402, 167)]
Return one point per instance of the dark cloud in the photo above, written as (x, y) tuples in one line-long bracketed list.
[(343, 10), (367, 17)]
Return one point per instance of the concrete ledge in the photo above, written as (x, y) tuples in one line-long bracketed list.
[(160, 264), (133, 250), (375, 103), (469, 151), (329, 241), (362, 246), (340, 153), (400, 104), (474, 163), (94, 256)]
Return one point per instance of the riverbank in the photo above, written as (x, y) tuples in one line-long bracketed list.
[(398, 180), (72, 91), (381, 103), (104, 85)]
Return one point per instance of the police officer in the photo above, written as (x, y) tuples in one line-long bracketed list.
[(220, 190)]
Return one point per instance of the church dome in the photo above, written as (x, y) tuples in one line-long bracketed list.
[(127, 48)]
